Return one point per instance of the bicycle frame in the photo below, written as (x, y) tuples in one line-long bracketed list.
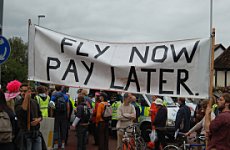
[(128, 142), (133, 141), (188, 146), (185, 145)]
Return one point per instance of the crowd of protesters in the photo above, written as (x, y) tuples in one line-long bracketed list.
[(26, 108)]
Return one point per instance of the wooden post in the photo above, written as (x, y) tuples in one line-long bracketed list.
[(209, 107), (212, 63)]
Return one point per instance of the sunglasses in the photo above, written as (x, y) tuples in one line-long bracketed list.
[(21, 90)]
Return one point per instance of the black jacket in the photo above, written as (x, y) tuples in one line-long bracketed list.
[(161, 118), (35, 112), (23, 134), (183, 118)]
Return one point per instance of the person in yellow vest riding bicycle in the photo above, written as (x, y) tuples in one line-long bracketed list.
[(43, 100), (115, 106)]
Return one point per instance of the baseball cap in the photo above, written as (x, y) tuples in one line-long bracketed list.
[(158, 101)]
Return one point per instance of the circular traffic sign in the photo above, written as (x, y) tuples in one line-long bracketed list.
[(4, 49)]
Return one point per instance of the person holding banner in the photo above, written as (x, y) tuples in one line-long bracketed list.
[(219, 133), (201, 124), (29, 136)]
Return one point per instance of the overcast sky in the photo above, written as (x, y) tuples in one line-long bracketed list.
[(121, 20)]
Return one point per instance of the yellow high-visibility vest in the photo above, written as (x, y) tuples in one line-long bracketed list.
[(93, 104), (146, 111), (43, 105), (115, 106), (72, 102)]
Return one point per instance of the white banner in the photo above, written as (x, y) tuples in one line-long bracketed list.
[(175, 68)]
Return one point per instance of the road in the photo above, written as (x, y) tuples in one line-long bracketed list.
[(72, 142)]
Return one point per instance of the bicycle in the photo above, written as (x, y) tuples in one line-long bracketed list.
[(132, 140), (185, 145)]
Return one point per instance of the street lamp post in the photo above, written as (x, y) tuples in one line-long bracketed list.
[(40, 16), (1, 26)]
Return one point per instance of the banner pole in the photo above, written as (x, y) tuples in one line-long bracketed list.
[(212, 62), (209, 107)]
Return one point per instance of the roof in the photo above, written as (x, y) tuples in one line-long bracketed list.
[(217, 46), (223, 61)]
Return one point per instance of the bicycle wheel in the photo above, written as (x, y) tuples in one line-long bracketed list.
[(140, 144), (171, 147)]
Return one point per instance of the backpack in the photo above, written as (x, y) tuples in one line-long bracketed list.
[(107, 113), (60, 104), (89, 105), (6, 131), (86, 115)]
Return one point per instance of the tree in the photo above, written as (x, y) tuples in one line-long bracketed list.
[(16, 67)]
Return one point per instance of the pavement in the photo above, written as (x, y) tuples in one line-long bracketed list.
[(72, 142)]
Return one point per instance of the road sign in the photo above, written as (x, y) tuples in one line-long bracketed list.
[(4, 49)]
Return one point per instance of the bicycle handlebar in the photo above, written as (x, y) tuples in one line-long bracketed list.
[(128, 127), (201, 136)]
